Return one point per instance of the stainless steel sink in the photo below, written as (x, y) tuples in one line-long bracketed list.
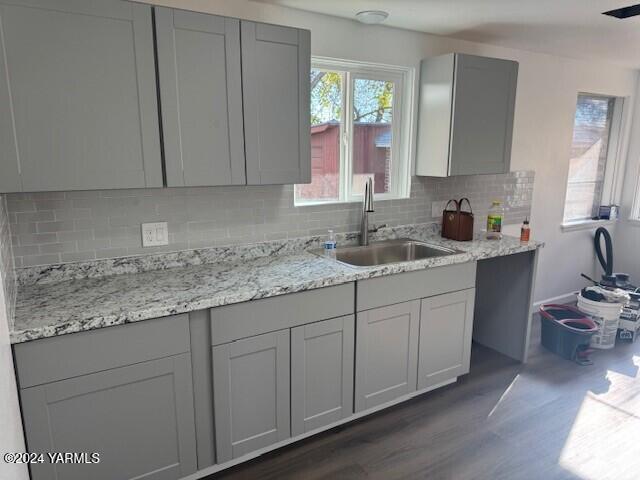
[(389, 251)]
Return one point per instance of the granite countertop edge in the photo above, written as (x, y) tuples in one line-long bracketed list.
[(58, 315)]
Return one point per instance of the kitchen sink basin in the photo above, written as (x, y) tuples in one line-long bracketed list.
[(388, 251)]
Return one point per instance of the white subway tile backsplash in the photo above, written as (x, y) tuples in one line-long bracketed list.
[(7, 272), (76, 226)]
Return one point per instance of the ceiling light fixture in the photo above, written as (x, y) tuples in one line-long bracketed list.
[(371, 17)]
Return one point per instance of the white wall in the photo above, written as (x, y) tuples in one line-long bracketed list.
[(545, 106), (626, 256)]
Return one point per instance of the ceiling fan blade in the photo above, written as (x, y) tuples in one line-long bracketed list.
[(624, 12)]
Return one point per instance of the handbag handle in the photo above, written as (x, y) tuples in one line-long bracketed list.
[(456, 204), (468, 203)]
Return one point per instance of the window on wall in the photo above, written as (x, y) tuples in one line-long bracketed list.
[(358, 112), (593, 156)]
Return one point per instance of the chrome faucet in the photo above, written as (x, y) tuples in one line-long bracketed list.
[(367, 208)]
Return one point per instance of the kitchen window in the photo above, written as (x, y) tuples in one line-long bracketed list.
[(593, 159), (635, 210), (360, 128)]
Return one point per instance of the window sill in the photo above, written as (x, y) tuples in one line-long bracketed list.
[(585, 225), (348, 202)]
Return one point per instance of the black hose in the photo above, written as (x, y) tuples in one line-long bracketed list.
[(607, 263)]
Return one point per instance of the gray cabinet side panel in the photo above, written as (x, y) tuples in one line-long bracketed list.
[(83, 94), (502, 322), (386, 354), (446, 323), (275, 60), (139, 418), (199, 69), (10, 180), (434, 116), (321, 373), (304, 117), (251, 389), (483, 115), (201, 366)]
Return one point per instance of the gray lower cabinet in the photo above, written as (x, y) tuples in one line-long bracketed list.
[(251, 391), (386, 354), (321, 373), (275, 86), (446, 325), (201, 98), (78, 95), (139, 418)]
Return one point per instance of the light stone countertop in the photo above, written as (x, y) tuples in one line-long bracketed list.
[(51, 309)]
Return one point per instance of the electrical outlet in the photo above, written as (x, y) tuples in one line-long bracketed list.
[(155, 234)]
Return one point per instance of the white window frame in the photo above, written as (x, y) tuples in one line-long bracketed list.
[(403, 79), (635, 209), (614, 164)]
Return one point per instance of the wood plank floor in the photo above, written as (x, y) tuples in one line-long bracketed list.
[(549, 419)]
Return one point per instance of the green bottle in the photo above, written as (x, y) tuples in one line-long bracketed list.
[(495, 219)]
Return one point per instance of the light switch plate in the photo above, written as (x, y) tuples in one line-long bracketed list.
[(155, 234)]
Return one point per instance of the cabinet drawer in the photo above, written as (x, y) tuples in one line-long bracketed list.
[(247, 319), (67, 356), (381, 291)]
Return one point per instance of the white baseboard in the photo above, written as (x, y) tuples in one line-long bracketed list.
[(566, 298)]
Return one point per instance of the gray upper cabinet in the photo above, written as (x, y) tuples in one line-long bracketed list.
[(201, 98), (78, 95), (139, 418), (321, 373), (446, 325), (275, 84), (386, 354), (466, 115), (251, 394)]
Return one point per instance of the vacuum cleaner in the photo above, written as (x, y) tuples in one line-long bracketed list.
[(630, 317)]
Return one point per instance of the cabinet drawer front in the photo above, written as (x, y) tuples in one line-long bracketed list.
[(58, 358), (378, 292), (138, 418), (247, 319)]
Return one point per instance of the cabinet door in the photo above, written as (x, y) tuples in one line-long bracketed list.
[(251, 394), (386, 353), (78, 94), (139, 419), (446, 325), (201, 98), (482, 124), (321, 373), (275, 85)]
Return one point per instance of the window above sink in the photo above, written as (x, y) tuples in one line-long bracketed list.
[(360, 128)]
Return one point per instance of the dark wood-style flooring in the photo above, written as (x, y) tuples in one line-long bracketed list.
[(550, 419)]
